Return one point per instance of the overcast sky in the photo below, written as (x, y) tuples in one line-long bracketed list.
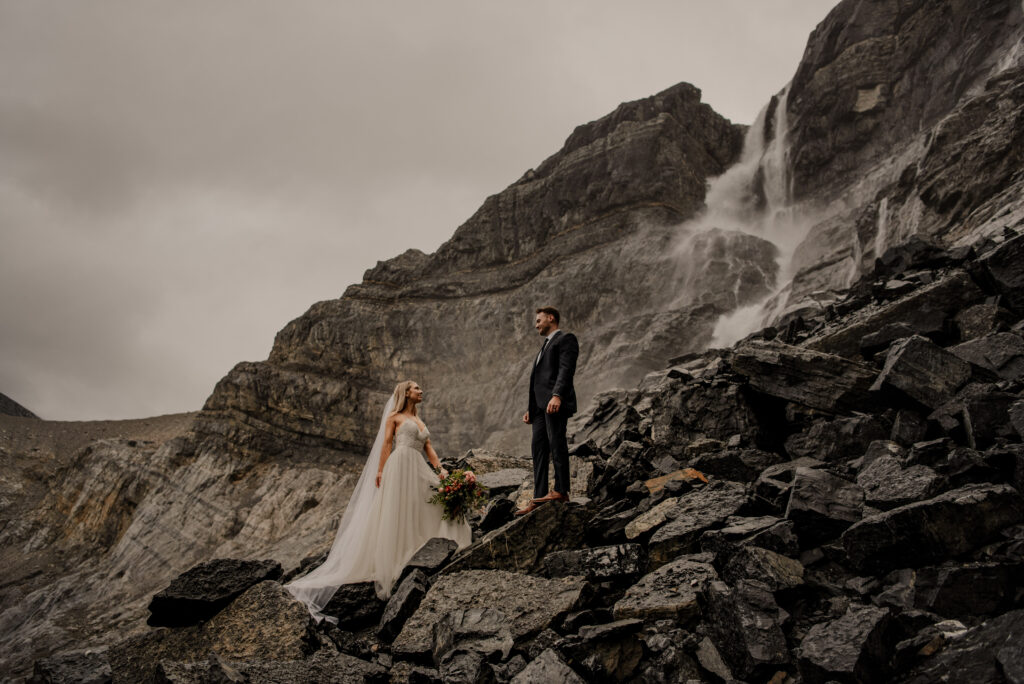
[(179, 179)]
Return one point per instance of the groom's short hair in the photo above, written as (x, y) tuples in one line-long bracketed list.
[(549, 310)]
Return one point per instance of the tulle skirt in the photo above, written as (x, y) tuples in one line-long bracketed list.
[(400, 521)]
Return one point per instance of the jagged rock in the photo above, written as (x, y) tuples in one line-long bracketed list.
[(199, 593), (682, 413), (908, 427), (667, 658), (739, 465), (432, 556), (504, 481), (961, 590), (692, 514), (887, 485), (986, 415), (881, 448), (1003, 268), (690, 476), (930, 453), (669, 592), (774, 484), (485, 632), (989, 652), (982, 319), (711, 660), (921, 370), (89, 666), (743, 622), (821, 506), (609, 652), (355, 605), (503, 673), (804, 376), (498, 513), (601, 564), (837, 440), (933, 530), (402, 603), (649, 520), (264, 623), (610, 422), (546, 668), (925, 311), (1001, 353), (530, 604), (774, 570), (766, 532), (461, 667), (521, 545), (852, 648), (603, 651)]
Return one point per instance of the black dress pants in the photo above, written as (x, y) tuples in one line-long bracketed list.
[(549, 443)]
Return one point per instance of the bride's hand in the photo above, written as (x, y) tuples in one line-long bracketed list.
[(442, 473), (378, 480)]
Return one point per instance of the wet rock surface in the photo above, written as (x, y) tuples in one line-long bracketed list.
[(200, 593)]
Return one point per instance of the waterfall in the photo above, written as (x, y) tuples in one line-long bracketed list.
[(882, 227), (754, 196)]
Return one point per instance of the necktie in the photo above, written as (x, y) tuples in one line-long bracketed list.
[(541, 352)]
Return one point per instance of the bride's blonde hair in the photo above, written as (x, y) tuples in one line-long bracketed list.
[(401, 390)]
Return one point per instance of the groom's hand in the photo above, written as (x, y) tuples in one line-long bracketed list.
[(526, 417), (554, 404)]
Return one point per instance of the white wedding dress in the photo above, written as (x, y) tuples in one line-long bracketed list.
[(383, 527)]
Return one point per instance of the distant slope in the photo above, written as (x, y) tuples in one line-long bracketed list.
[(9, 407)]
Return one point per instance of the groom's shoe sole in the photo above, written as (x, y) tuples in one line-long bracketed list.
[(530, 508), (551, 496)]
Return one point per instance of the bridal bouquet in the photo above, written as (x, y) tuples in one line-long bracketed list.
[(459, 494)]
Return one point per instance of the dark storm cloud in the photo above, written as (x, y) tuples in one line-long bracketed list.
[(180, 179)]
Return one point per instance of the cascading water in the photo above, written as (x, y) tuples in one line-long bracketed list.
[(754, 197)]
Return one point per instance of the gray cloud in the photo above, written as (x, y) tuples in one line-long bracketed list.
[(180, 179)]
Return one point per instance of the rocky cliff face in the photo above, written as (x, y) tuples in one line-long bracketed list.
[(904, 119), (590, 230), (882, 135)]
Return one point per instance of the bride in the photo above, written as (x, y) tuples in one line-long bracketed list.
[(388, 517)]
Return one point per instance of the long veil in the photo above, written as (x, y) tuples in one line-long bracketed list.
[(350, 557)]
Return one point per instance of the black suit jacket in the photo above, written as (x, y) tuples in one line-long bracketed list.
[(553, 374)]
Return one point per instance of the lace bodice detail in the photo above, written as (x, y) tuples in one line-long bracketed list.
[(408, 434)]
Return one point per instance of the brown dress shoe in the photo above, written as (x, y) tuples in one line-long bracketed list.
[(552, 496), (529, 508)]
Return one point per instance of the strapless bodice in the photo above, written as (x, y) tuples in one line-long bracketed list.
[(408, 434)]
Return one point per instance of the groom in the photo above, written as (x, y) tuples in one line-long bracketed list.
[(552, 401)]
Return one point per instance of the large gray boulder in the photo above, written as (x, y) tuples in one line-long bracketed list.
[(546, 668), (671, 591), (930, 531), (1000, 353), (822, 505), (529, 604), (887, 484), (521, 545), (853, 648), (921, 370), (691, 515), (744, 623), (201, 592), (810, 378)]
